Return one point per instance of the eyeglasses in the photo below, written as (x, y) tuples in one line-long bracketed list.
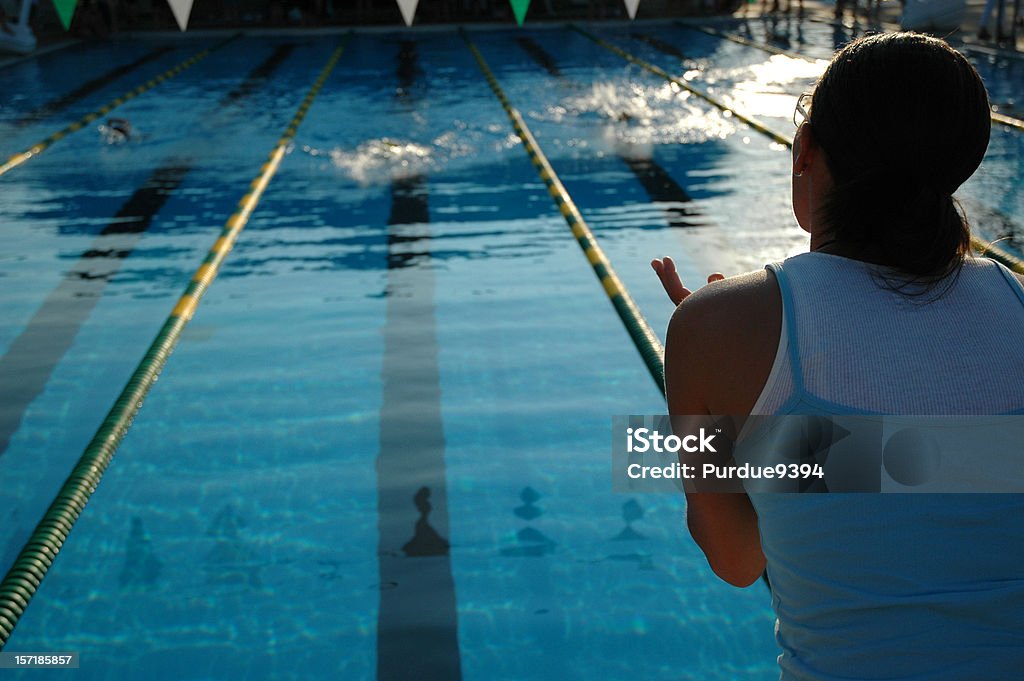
[(800, 113)]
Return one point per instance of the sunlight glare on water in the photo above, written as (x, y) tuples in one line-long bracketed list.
[(765, 89), (637, 115)]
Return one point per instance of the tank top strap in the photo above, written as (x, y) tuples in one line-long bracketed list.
[(1018, 288), (793, 338), (1012, 281)]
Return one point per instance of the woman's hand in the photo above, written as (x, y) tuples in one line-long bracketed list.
[(666, 271)]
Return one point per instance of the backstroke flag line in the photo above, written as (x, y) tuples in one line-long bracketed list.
[(408, 8), (181, 9)]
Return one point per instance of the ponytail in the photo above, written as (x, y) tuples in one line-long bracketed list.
[(906, 225)]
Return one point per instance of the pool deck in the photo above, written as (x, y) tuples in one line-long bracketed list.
[(887, 16)]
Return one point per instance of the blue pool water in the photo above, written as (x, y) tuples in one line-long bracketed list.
[(405, 310)]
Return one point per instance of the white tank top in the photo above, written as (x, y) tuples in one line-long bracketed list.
[(855, 345), (896, 586)]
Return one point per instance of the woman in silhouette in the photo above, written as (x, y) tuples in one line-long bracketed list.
[(887, 313)]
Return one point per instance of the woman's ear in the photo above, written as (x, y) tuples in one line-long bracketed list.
[(804, 148)]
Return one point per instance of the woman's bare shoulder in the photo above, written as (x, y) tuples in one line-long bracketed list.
[(724, 337), (743, 301)]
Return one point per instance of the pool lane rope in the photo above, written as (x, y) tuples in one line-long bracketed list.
[(1008, 121), (1002, 119), (36, 149), (39, 552), (983, 248), (639, 330)]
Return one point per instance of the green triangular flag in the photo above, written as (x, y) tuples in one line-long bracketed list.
[(65, 10), (519, 8)]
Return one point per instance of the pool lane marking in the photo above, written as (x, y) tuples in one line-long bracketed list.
[(417, 616), (988, 250), (639, 330), (38, 148), (30, 567), (29, 362), (661, 45), (408, 70), (85, 89), (540, 55), (714, 101), (259, 75), (656, 181), (1002, 119), (663, 188)]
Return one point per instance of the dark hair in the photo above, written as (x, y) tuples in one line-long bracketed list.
[(904, 120)]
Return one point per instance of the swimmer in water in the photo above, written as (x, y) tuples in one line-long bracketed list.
[(117, 130)]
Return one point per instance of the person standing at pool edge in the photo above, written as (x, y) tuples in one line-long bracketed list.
[(887, 313)]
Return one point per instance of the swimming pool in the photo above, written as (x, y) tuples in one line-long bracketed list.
[(381, 446)]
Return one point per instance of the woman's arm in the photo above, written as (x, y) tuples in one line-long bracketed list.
[(719, 349)]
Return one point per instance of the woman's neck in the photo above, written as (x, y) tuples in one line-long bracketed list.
[(854, 251)]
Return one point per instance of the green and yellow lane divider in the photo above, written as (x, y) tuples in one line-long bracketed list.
[(1001, 119), (986, 249), (35, 559), (36, 149), (990, 250), (1008, 121), (639, 330)]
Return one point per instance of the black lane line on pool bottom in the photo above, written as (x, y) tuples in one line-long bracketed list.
[(27, 365), (660, 45), (87, 88), (417, 624), (659, 185)]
